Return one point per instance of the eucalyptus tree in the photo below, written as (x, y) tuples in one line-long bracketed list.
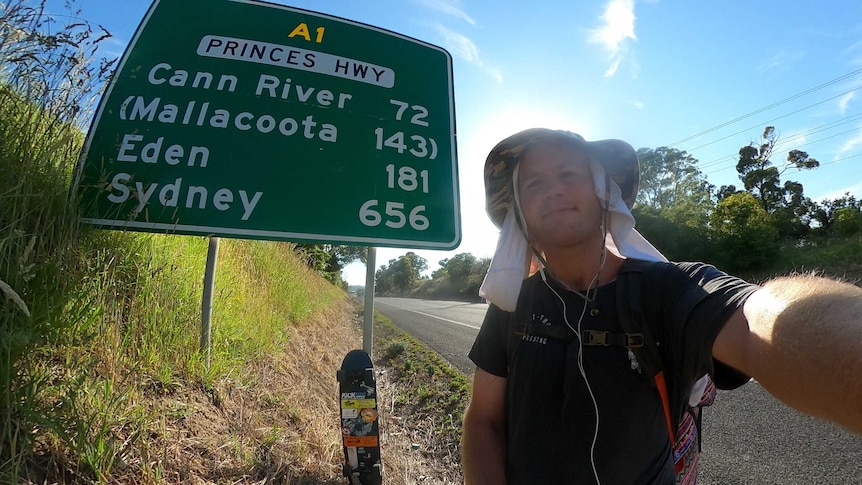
[(674, 203), (786, 203)]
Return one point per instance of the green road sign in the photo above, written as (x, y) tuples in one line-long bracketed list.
[(246, 119)]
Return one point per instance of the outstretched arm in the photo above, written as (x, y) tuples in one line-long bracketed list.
[(483, 445), (801, 338)]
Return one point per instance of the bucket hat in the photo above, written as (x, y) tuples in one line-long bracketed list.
[(617, 157)]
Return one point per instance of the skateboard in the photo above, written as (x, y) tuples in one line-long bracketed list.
[(360, 431)]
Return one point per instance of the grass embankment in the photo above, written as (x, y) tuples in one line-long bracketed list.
[(838, 258), (105, 380), (424, 397), (101, 374)]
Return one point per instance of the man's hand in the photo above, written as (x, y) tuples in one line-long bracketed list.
[(801, 338)]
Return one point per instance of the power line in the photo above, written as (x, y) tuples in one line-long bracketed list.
[(808, 143), (760, 110), (787, 141), (818, 129), (774, 119), (841, 159)]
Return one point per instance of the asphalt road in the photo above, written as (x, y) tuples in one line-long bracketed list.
[(748, 436), (448, 327)]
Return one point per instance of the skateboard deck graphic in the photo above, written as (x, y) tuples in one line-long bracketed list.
[(360, 429)]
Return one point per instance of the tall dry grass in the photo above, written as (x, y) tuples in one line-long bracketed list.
[(99, 330)]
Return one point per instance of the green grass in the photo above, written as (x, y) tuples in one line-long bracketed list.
[(92, 321), (832, 257), (822, 253), (426, 385), (100, 330), (138, 334)]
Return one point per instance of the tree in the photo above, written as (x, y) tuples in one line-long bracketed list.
[(404, 275), (330, 259), (848, 222), (794, 216), (826, 213), (419, 263), (676, 241), (726, 191), (787, 203), (744, 234), (758, 175), (383, 280), (401, 275), (465, 274), (670, 179), (674, 203), (458, 277), (460, 266)]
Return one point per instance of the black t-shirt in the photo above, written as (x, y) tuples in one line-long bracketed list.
[(551, 417)]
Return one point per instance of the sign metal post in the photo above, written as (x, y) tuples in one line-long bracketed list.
[(207, 300), (368, 325)]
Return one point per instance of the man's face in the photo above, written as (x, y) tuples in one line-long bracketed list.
[(557, 196)]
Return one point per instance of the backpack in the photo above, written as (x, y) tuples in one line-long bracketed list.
[(638, 339), (685, 431)]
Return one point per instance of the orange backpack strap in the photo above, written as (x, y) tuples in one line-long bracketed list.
[(665, 403)]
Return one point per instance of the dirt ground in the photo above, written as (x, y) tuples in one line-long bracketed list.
[(278, 422)]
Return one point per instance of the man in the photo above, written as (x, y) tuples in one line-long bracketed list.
[(550, 407)]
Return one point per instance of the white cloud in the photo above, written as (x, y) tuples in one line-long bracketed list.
[(781, 61), (848, 146), (777, 60), (853, 49), (112, 47), (853, 53), (842, 103), (448, 7), (618, 27), (612, 69), (793, 141), (855, 189), (639, 104), (619, 19), (460, 45)]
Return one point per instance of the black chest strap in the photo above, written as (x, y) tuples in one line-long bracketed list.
[(593, 338)]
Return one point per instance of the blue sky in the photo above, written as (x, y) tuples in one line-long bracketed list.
[(654, 73)]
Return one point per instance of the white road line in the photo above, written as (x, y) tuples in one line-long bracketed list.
[(429, 315)]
